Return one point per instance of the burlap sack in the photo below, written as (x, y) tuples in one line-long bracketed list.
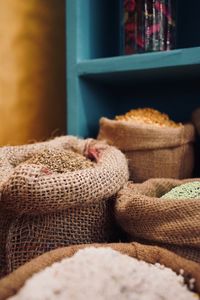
[(43, 210), (11, 284), (173, 224), (152, 151)]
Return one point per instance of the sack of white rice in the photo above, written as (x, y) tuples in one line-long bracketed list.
[(104, 274), (55, 194), (11, 284)]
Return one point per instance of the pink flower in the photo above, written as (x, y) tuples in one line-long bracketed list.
[(154, 28)]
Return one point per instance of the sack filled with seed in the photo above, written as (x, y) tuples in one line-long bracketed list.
[(55, 194), (155, 146), (18, 281), (163, 212)]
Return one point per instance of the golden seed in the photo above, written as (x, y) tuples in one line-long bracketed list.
[(61, 161), (148, 116)]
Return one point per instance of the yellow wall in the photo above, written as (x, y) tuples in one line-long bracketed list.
[(32, 70)]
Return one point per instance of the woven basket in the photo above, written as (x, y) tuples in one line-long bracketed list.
[(42, 210)]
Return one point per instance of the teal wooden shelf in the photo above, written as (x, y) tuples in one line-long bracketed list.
[(100, 82), (141, 62)]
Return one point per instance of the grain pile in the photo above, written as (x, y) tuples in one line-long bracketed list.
[(148, 116), (190, 190), (104, 274), (61, 161)]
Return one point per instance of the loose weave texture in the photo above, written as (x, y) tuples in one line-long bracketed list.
[(171, 223), (12, 283), (43, 210), (152, 151)]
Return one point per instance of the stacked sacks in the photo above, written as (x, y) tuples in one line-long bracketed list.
[(154, 145), (162, 212), (43, 207)]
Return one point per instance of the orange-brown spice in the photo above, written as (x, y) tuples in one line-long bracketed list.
[(149, 116)]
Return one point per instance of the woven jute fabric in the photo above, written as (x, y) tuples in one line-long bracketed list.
[(170, 223), (42, 210), (152, 151), (12, 283)]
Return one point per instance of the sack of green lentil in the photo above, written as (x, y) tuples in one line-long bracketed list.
[(11, 284), (155, 146), (55, 194), (163, 212)]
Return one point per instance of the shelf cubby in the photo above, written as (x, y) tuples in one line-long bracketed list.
[(101, 82)]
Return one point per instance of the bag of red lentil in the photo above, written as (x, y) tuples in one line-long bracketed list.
[(171, 222), (154, 149), (12, 283), (46, 203)]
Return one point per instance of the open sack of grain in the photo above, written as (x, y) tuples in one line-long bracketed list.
[(155, 146), (55, 194), (85, 274), (163, 212)]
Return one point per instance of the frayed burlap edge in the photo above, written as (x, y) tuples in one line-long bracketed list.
[(130, 136), (29, 188)]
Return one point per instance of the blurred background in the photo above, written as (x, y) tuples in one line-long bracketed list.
[(32, 73)]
